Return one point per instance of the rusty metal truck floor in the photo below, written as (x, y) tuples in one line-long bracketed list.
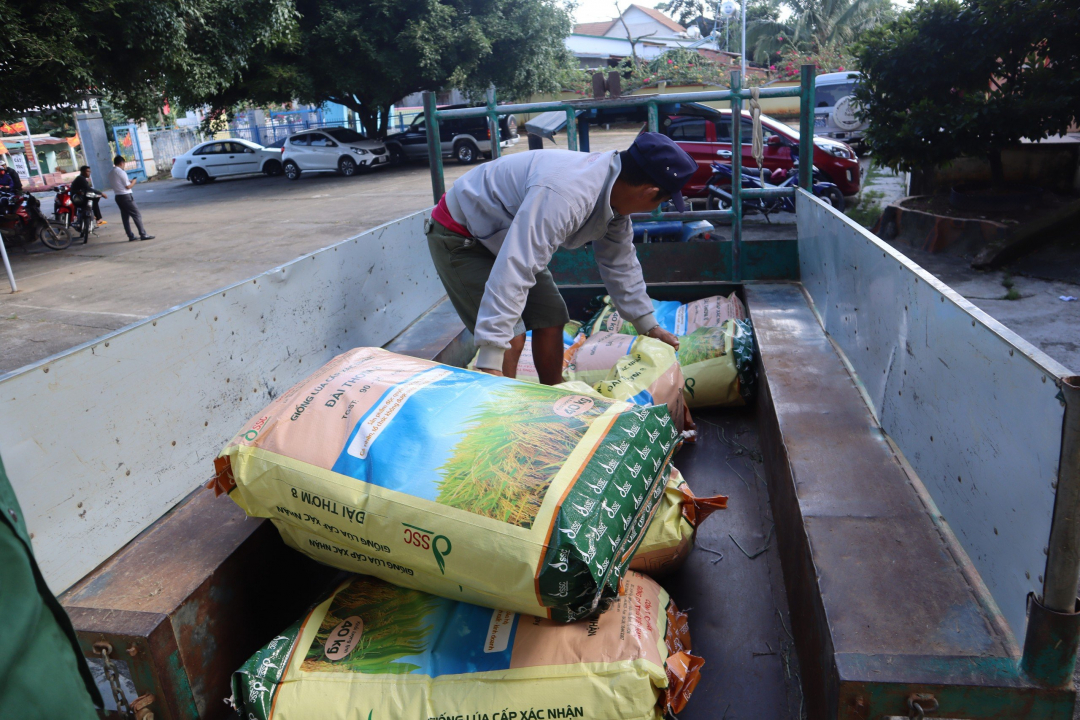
[(738, 610)]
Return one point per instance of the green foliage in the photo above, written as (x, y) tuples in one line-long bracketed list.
[(39, 55), (789, 65), (815, 26), (694, 12), (677, 66), (368, 54), (949, 79), (137, 52), (868, 208)]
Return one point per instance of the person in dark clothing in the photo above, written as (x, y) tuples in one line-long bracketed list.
[(9, 178), (80, 186)]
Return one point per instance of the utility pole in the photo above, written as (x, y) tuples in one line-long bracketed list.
[(742, 47)]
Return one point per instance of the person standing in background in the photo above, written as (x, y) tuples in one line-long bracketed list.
[(122, 185)]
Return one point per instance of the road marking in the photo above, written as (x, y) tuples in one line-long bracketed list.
[(86, 312)]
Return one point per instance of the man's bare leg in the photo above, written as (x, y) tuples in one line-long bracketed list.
[(511, 356), (547, 347)]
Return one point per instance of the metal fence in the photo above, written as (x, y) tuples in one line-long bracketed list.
[(651, 103), (169, 143), (269, 134)]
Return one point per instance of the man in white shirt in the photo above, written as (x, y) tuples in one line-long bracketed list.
[(121, 186)]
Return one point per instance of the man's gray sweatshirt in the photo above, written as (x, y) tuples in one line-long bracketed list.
[(523, 208)]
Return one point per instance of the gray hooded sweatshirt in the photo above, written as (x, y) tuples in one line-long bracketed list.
[(523, 208)]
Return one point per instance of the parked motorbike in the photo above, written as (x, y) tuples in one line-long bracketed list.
[(719, 189), (22, 222), (63, 206), (85, 223)]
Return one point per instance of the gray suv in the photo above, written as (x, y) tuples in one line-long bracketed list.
[(835, 111)]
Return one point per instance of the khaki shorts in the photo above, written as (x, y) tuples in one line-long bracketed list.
[(464, 265)]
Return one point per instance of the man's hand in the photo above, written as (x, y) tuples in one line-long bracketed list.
[(661, 334), (490, 371)]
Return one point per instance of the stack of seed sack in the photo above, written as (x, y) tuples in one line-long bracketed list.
[(639, 370), (716, 346), (483, 491), (375, 650)]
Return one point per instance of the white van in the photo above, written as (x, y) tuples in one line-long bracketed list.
[(835, 107)]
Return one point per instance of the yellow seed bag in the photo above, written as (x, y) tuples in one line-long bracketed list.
[(670, 536), (375, 650), (675, 317), (637, 369), (716, 346), (474, 487)]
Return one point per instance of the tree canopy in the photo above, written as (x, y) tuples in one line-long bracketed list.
[(363, 54), (815, 26), (702, 13), (949, 79), (137, 52), (368, 54)]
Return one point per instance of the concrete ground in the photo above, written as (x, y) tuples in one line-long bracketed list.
[(211, 236), (1037, 314)]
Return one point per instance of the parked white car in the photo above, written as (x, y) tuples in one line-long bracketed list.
[(835, 115), (220, 158), (331, 150)]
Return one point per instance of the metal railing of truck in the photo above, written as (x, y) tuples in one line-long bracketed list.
[(735, 95)]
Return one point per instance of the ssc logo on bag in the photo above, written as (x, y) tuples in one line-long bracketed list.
[(344, 638)]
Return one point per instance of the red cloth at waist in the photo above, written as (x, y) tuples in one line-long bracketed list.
[(441, 215)]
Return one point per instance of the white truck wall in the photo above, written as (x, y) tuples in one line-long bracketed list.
[(971, 404), (103, 439)]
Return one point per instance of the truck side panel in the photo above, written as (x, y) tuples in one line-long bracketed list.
[(972, 405), (103, 439)]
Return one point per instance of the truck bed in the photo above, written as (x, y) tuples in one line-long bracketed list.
[(738, 609)]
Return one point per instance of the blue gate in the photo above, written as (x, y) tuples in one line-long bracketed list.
[(127, 146)]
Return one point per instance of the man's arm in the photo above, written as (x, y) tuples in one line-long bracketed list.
[(620, 270), (544, 219)]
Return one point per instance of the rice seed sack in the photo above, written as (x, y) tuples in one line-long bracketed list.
[(477, 488), (637, 369), (526, 368), (376, 650), (717, 361), (675, 317), (670, 536)]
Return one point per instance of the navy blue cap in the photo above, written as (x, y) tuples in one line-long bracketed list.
[(665, 162)]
